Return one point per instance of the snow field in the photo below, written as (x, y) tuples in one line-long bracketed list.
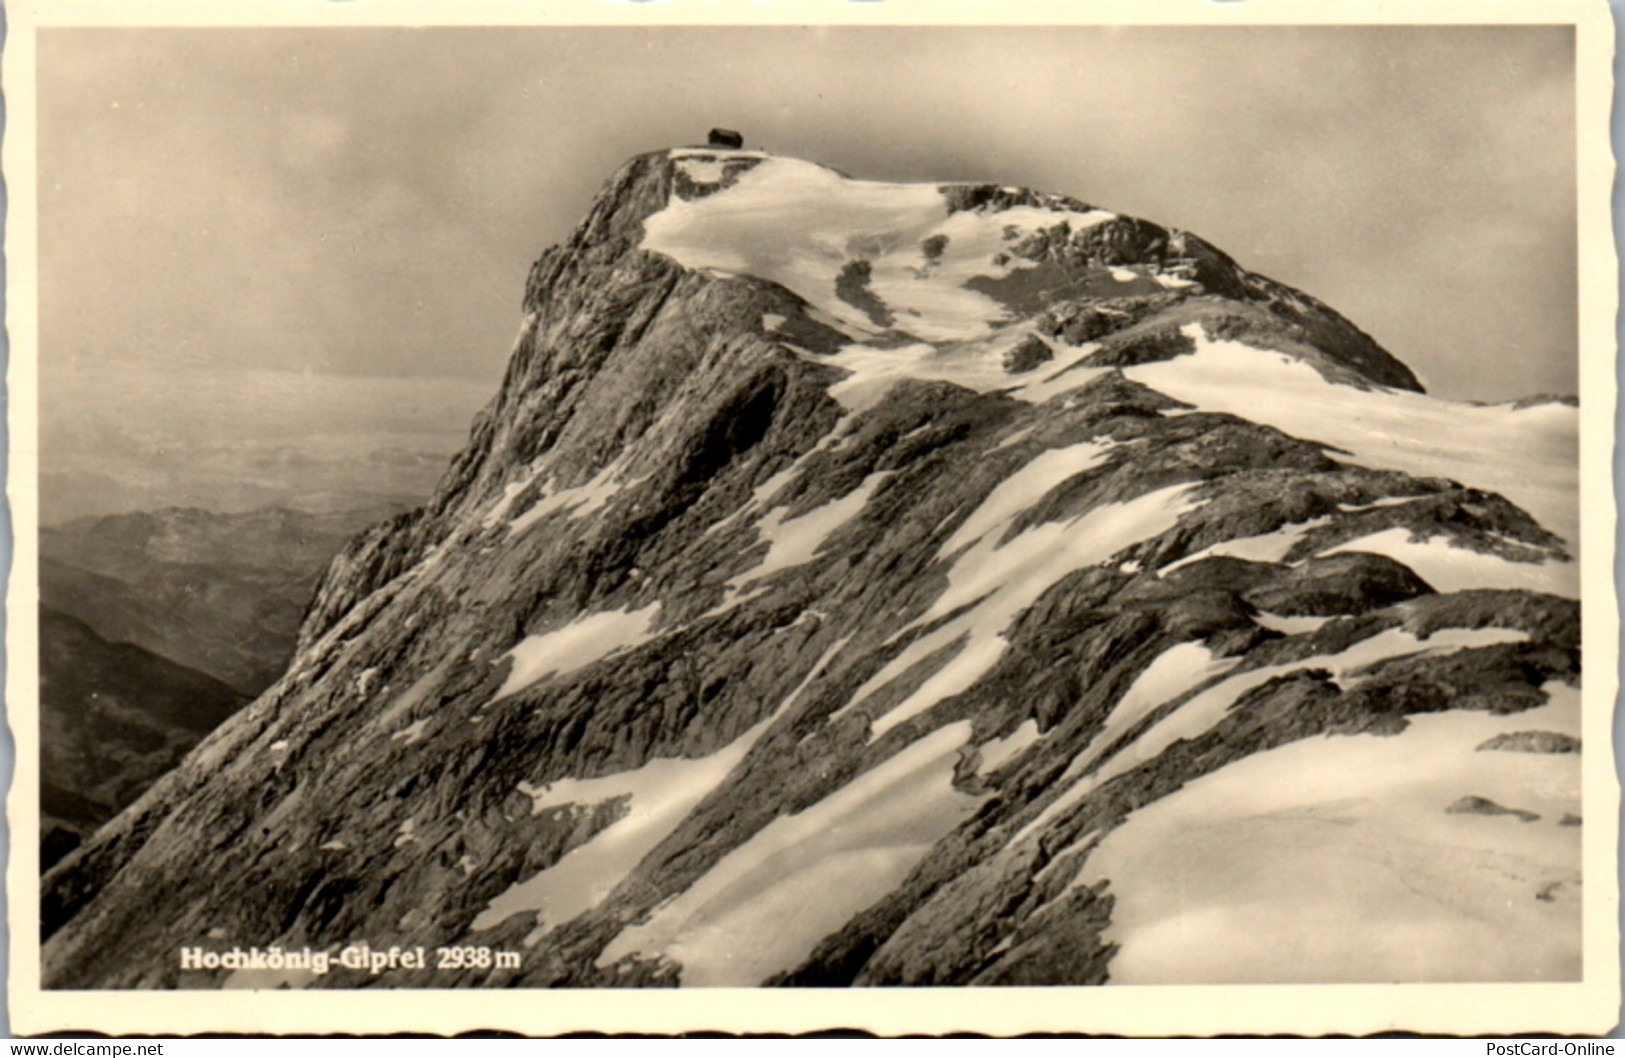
[(1449, 568), (663, 792), (1276, 867), (799, 224), (763, 906), (1172, 673), (1537, 453), (932, 302), (1189, 665)]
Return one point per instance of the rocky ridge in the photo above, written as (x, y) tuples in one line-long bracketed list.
[(792, 618)]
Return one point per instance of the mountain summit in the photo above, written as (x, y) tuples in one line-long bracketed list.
[(862, 583)]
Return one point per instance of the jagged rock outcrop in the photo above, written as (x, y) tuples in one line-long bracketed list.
[(772, 628)]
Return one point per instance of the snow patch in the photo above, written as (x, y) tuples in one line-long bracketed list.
[(1172, 673), (1450, 568), (1291, 626), (1010, 576), (1036, 479), (1266, 547), (411, 733), (411, 698), (1014, 439), (723, 154), (1375, 505), (577, 502), (999, 752), (996, 583), (796, 541), (703, 168), (1059, 376), (872, 371), (498, 511), (974, 365), (663, 792), (580, 643)]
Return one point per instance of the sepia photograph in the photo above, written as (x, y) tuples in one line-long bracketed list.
[(775, 518)]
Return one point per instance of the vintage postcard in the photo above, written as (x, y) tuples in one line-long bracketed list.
[(916, 517)]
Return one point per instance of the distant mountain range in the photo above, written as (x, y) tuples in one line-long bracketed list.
[(155, 627), (219, 593), (113, 717)]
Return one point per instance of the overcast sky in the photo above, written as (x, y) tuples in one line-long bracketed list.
[(367, 202)]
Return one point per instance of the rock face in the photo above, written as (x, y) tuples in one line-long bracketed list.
[(770, 630)]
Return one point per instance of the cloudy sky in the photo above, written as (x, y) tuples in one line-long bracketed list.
[(287, 225)]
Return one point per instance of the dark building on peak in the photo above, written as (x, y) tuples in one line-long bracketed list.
[(725, 138)]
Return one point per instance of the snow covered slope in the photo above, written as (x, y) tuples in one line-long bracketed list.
[(859, 583)]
